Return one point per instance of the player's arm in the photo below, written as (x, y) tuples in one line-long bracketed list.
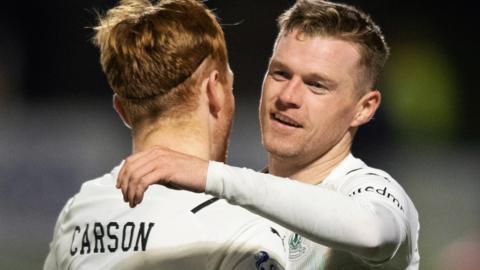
[(363, 227), (160, 165)]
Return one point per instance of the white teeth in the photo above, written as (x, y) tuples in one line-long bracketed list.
[(285, 120)]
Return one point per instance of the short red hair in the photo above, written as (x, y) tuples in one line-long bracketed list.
[(149, 53)]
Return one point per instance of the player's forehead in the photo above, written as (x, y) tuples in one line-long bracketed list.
[(329, 57)]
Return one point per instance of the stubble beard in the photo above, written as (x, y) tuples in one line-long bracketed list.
[(279, 149)]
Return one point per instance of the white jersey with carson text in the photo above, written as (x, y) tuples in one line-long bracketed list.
[(170, 229), (337, 224)]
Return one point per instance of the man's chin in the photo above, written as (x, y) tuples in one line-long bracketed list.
[(281, 151)]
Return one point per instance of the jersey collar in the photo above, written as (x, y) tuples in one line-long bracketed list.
[(346, 165)]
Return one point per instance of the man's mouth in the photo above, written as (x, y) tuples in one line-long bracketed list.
[(285, 120)]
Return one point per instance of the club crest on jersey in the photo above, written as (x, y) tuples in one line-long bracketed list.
[(296, 247)]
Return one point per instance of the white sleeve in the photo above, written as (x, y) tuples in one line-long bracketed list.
[(51, 262), (358, 224)]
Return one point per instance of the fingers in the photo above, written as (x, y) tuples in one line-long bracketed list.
[(136, 177), (137, 189), (127, 163), (160, 166), (132, 164), (136, 174)]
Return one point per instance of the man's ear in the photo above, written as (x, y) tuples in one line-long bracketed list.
[(366, 108), (117, 105), (215, 93)]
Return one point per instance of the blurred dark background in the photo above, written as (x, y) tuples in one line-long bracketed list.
[(57, 128)]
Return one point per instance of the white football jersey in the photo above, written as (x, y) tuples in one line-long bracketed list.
[(372, 188), (330, 223), (170, 229)]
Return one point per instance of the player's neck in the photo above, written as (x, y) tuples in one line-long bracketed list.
[(311, 171), (187, 137)]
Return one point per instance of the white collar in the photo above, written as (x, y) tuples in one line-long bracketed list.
[(350, 163)]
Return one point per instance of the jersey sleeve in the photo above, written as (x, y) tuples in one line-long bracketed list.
[(51, 262), (382, 195), (365, 227), (377, 191)]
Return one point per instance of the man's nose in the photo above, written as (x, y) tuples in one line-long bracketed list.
[(291, 95)]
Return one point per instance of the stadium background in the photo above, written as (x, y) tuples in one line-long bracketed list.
[(57, 128)]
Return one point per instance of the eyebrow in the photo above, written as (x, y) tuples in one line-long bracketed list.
[(311, 76)]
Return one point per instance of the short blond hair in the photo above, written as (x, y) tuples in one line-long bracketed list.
[(324, 18), (149, 52)]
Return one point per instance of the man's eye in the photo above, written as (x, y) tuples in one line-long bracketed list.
[(316, 87), (280, 75)]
